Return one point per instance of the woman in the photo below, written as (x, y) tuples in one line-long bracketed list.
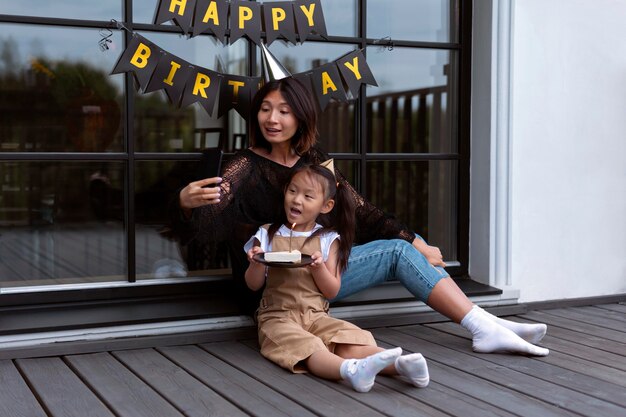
[(283, 134)]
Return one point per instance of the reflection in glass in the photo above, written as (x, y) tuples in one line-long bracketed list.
[(68, 9), (157, 253), (422, 195), (61, 223), (348, 169), (144, 11), (339, 16), (336, 127), (412, 20), (56, 91), (156, 182), (413, 108), (163, 127)]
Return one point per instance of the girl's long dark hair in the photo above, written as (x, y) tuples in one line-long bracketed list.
[(302, 106), (340, 219)]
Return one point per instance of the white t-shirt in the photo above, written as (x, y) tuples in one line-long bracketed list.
[(326, 239)]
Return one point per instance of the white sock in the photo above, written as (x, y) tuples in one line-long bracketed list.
[(530, 332), (361, 373), (413, 369), (489, 336)]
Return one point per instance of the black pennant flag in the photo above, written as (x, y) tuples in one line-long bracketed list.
[(203, 86), (236, 92), (328, 84), (309, 18), (181, 11), (355, 71), (211, 16), (279, 21), (245, 19), (141, 57), (170, 75)]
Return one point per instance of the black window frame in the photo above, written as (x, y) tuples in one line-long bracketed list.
[(463, 9)]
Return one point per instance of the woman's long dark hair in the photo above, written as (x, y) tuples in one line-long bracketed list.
[(340, 219), (302, 106)]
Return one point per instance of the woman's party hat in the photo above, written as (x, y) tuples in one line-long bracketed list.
[(270, 67)]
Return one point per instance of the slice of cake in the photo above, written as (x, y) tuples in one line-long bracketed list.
[(285, 256)]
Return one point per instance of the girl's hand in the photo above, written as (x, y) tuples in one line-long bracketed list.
[(195, 195), (431, 253), (318, 260), (252, 252)]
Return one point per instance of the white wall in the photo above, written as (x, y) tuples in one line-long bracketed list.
[(565, 148)]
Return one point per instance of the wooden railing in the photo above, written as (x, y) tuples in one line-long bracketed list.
[(421, 194)]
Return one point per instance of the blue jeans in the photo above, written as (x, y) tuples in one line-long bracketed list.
[(375, 262)]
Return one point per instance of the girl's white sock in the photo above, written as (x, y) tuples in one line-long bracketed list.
[(361, 373), (530, 332), (488, 336), (412, 368)]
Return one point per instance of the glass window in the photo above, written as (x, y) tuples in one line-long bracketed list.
[(156, 183), (348, 169), (69, 9), (422, 195), (413, 20), (65, 122), (56, 92), (412, 110), (339, 15), (163, 127), (61, 223)]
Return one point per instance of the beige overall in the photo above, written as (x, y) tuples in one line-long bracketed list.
[(293, 314)]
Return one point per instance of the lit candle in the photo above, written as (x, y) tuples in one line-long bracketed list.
[(290, 233)]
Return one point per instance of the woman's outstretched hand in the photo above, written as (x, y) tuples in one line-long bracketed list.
[(197, 194), (431, 253)]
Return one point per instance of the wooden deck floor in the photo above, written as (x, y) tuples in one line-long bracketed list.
[(584, 375)]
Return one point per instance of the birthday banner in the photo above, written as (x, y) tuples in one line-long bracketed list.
[(286, 19), (184, 83)]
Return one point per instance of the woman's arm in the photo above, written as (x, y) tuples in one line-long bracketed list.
[(210, 209)]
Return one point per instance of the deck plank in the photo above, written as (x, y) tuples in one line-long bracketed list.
[(455, 351), (187, 394), (544, 368), (121, 390), (60, 389), (389, 401), (582, 314), (472, 376), (16, 398), (620, 308), (581, 350), (584, 375), (576, 332), (309, 392), (252, 396), (604, 313), (444, 398)]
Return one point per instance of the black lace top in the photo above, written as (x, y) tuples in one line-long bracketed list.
[(252, 195)]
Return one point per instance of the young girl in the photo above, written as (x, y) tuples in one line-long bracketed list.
[(295, 330)]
